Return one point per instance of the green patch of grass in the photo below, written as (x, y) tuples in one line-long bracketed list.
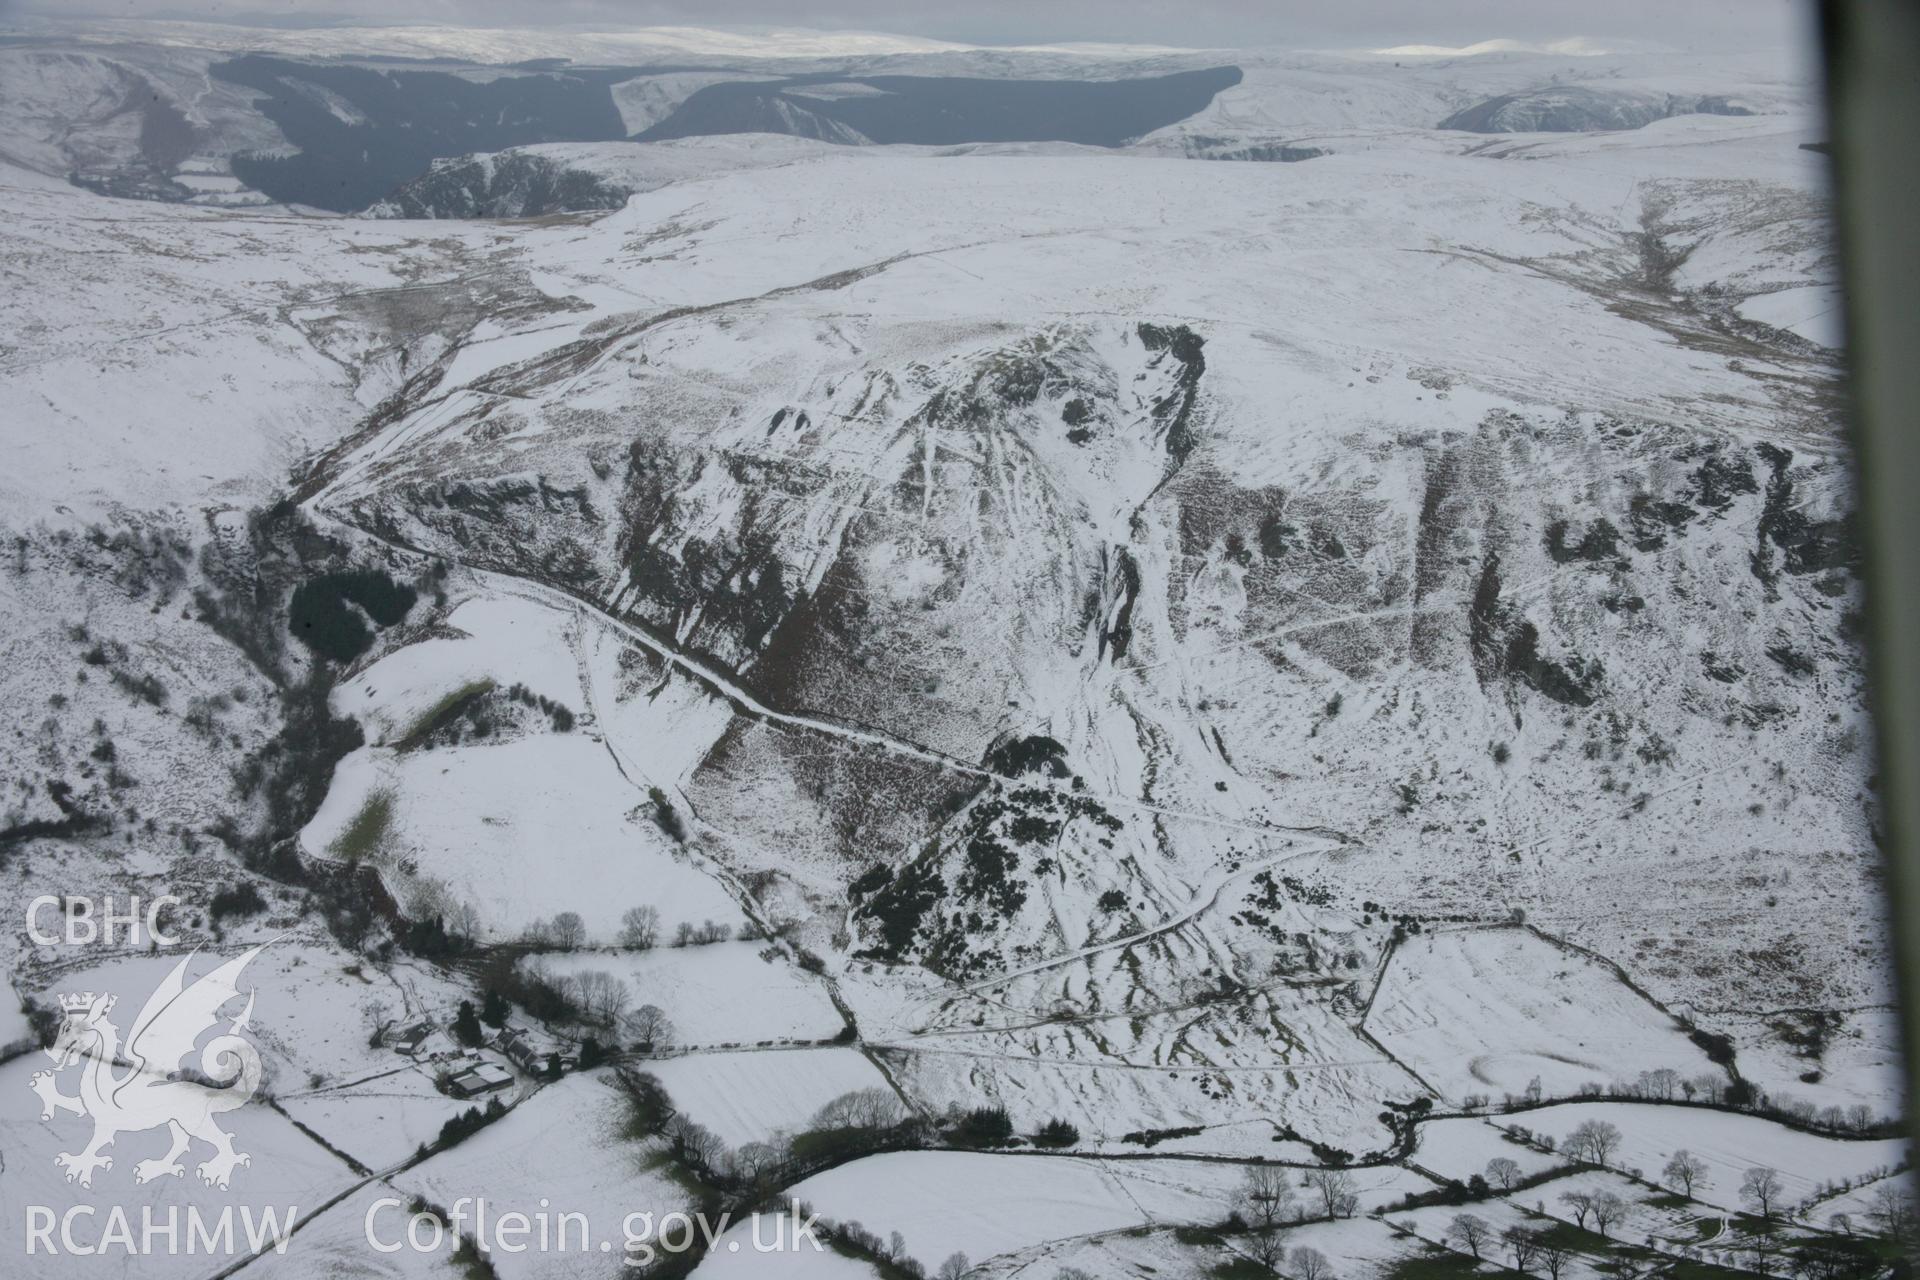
[(1578, 1238), (1879, 1247), (448, 708), (1693, 1269), (1195, 1235), (1752, 1224), (685, 1178), (648, 1108), (366, 836), (1240, 1269), (1432, 1263)]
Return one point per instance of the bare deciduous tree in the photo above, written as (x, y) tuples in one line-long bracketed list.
[(1553, 1255), (1762, 1188), (426, 899), (1335, 1189), (954, 1268), (1593, 1141), (1522, 1246), (755, 1163), (695, 1144), (1503, 1173), (1892, 1209), (1663, 1083), (564, 985), (1470, 1232), (1609, 1210), (1581, 1202), (568, 929), (640, 928), (650, 1027), (711, 932), (1685, 1171), (874, 1108), (463, 921), (1263, 1201), (1309, 1264), (602, 997)]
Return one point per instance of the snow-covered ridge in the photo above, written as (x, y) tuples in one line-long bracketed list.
[(186, 113), (518, 44), (1573, 47), (1343, 672)]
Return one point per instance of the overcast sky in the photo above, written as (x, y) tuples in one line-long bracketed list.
[(1299, 23)]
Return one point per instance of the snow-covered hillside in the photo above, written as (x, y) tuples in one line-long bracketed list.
[(347, 118), (1181, 666)]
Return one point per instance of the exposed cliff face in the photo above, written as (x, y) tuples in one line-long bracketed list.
[(1579, 109), (509, 185), (1202, 147), (1467, 614)]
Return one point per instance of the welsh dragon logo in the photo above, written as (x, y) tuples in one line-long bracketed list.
[(156, 1088)]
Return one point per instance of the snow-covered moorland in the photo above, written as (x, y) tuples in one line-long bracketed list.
[(1266, 688)]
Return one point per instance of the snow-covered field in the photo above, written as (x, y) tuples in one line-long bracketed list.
[(988, 1205), (1110, 1087), (1864, 1067), (566, 1150), (505, 640), (735, 1256), (1729, 1144), (1486, 1012), (1860, 1204), (288, 1175), (751, 1095), (313, 1010), (381, 1119), (335, 1244), (724, 993), (522, 831), (1815, 312), (1460, 1147)]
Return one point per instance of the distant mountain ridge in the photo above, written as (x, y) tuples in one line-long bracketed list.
[(361, 132), (1578, 109), (340, 121)]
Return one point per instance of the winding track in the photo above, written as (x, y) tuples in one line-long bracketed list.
[(1204, 897), (747, 704)]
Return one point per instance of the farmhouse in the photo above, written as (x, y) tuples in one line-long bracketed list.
[(482, 1078), (520, 1049), (408, 1040), (530, 1055)]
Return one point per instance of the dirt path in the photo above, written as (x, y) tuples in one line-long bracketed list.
[(745, 702), (1204, 897)]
